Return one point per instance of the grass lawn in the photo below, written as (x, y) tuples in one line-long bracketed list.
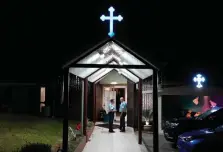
[(16, 131)]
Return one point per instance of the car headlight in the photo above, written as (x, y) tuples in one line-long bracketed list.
[(188, 138), (174, 124)]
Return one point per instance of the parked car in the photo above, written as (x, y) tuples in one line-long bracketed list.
[(204, 140), (175, 127)]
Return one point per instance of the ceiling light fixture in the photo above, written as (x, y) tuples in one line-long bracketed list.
[(113, 82)]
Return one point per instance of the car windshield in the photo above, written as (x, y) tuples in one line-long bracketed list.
[(202, 116), (207, 113)]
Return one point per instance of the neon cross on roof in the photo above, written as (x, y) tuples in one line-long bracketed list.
[(111, 19), (199, 78)]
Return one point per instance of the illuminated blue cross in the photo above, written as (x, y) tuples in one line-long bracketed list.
[(111, 19), (199, 78)]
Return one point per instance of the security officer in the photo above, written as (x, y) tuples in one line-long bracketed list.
[(123, 110), (111, 109)]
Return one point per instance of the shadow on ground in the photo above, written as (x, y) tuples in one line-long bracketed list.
[(106, 126), (164, 145)]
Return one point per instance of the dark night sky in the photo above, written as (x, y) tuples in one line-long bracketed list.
[(43, 34)]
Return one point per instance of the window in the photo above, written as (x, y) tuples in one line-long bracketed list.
[(42, 98)]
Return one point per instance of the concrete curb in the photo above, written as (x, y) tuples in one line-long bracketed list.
[(84, 141)]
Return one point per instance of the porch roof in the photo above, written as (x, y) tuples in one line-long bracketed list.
[(110, 52)]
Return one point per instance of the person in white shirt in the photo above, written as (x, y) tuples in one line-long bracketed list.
[(123, 110)]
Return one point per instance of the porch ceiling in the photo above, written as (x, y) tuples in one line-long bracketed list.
[(106, 54), (112, 77), (102, 72)]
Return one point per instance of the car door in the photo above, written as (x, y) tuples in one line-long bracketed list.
[(217, 138), (215, 119)]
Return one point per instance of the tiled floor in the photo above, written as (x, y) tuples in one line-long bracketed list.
[(102, 141)]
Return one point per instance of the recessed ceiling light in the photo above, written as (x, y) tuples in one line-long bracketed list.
[(113, 82)]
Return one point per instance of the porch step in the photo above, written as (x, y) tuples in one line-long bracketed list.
[(147, 127)]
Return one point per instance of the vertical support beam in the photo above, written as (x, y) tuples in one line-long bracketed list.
[(85, 105), (94, 104), (140, 111), (65, 108), (160, 114), (82, 107), (155, 113)]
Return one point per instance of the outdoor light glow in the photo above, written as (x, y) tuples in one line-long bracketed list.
[(147, 123), (119, 72), (105, 55), (116, 57), (106, 49), (199, 79), (213, 110), (111, 19), (116, 47), (113, 82), (102, 56), (92, 59)]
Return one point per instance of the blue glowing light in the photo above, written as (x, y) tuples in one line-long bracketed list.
[(199, 79), (111, 19)]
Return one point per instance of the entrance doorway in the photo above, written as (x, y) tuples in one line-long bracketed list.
[(42, 98), (120, 92), (114, 92)]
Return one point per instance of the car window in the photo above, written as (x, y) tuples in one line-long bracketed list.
[(208, 113), (202, 116), (219, 129), (215, 115)]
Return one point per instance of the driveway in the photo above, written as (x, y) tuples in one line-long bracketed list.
[(164, 145)]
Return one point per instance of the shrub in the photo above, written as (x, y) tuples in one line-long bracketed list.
[(35, 147)]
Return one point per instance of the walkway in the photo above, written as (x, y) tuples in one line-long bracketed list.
[(102, 141)]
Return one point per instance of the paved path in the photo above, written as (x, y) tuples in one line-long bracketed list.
[(102, 141)]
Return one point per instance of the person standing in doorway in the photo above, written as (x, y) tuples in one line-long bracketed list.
[(123, 110), (111, 108)]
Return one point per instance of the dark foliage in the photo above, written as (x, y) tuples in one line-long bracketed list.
[(35, 147)]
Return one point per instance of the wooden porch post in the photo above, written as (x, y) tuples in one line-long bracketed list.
[(65, 108), (155, 113), (85, 106), (94, 104), (140, 111)]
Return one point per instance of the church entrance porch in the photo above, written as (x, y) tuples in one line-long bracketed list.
[(94, 65)]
